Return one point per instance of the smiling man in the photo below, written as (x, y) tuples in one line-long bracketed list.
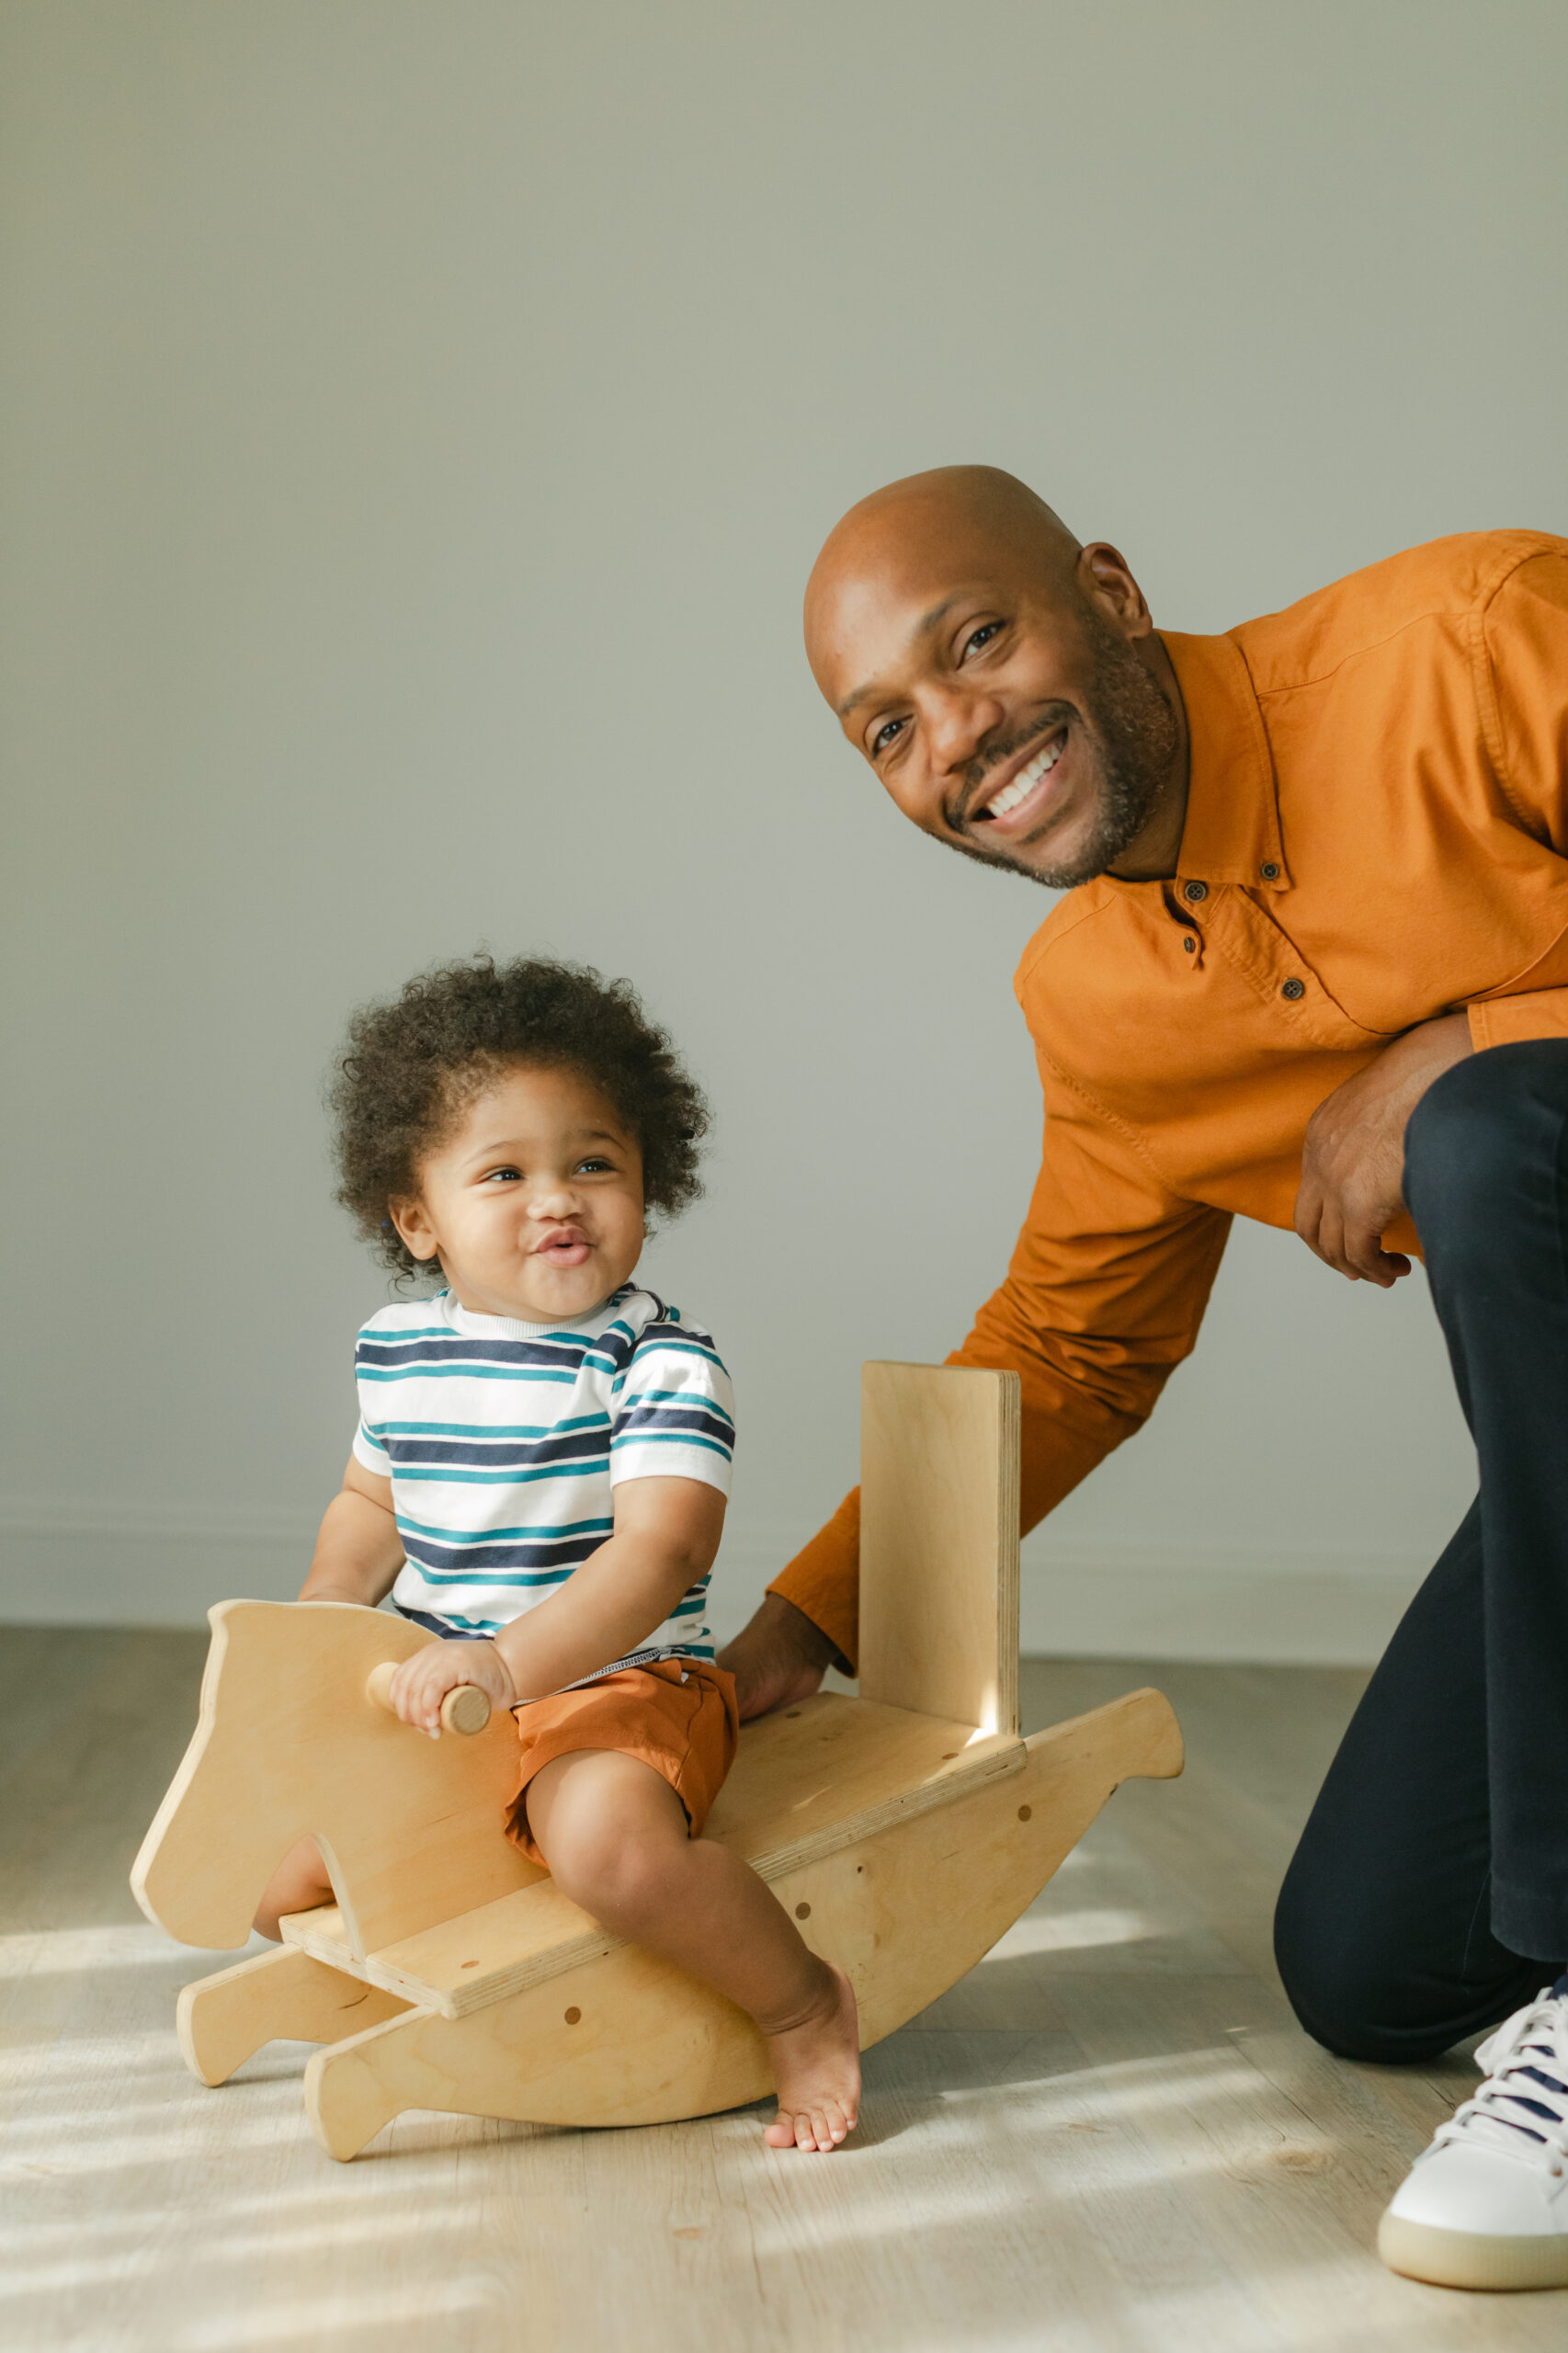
[(1312, 967)]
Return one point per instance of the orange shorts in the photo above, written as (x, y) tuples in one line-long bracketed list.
[(687, 1730)]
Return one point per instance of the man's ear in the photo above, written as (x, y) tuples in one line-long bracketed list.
[(1104, 577), (413, 1221)]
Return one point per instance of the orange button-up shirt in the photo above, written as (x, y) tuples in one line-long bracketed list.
[(1376, 834)]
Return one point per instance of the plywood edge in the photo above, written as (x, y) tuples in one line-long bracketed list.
[(1141, 1726), (1010, 1417), (989, 1759), (173, 1796), (457, 2000), (324, 1934)]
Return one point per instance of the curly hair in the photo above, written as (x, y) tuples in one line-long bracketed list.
[(413, 1063)]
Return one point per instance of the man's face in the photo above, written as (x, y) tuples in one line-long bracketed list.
[(1003, 705)]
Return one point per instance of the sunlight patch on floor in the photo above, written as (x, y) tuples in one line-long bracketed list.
[(67, 1951), (313, 2321), (1070, 1931)]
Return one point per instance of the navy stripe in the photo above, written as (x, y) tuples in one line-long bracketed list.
[(546, 1561), (455, 1350), (542, 1534), (506, 1454), (514, 1580), (476, 1631), (424, 1371), (674, 1417)]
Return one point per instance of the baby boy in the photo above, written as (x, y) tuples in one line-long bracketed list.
[(542, 1466)]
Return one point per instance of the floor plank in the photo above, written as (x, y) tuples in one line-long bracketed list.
[(1110, 2138)]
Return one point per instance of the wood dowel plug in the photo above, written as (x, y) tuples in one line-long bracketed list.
[(465, 1708)]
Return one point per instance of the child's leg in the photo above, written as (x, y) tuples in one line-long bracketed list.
[(299, 1884), (615, 1835)]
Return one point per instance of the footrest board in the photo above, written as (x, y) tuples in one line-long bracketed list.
[(809, 1781)]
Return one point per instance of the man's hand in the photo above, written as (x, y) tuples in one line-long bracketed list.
[(423, 1681), (778, 1655), (1352, 1163)]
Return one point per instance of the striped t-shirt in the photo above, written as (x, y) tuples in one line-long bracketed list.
[(504, 1441)]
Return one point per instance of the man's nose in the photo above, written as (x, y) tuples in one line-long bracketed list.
[(956, 727)]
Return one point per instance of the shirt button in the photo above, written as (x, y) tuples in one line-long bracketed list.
[(1269, 871), (1190, 945), (1194, 891), (1293, 989)]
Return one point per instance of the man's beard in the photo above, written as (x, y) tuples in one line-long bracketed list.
[(1128, 726)]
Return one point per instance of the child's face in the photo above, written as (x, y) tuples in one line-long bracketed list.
[(533, 1202)]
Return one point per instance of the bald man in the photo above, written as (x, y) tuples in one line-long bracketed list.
[(1311, 967)]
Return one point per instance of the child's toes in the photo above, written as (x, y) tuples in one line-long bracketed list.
[(780, 2133)]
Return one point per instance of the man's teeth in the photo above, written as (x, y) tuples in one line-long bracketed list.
[(1024, 783)]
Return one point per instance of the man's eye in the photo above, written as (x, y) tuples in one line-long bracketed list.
[(982, 636), (886, 736)]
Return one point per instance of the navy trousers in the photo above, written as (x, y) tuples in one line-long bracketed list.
[(1428, 1896)]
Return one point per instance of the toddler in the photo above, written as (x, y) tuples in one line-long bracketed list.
[(542, 1466)]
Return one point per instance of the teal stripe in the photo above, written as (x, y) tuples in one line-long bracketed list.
[(490, 1429), (455, 1478), (387, 1337), (450, 1580), (505, 1535), (681, 1397)]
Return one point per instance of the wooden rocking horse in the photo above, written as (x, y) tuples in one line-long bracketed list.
[(905, 1829)]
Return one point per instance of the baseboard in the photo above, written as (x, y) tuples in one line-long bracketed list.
[(138, 1566), (132, 1565)]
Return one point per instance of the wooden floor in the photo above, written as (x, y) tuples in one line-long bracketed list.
[(1111, 2135)]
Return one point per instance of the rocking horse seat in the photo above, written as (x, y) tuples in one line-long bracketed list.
[(807, 1783)]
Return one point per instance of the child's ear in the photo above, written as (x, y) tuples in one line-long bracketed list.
[(413, 1223)]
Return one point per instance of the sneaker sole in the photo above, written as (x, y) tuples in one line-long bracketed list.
[(1470, 2259)]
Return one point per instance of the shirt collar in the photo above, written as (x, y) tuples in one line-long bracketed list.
[(1231, 829), (474, 1325)]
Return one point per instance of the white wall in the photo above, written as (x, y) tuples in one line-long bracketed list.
[(420, 419)]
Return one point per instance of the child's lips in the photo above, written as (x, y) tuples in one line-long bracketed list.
[(567, 1250)]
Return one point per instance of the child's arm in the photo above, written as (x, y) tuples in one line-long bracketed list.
[(358, 1551), (666, 1533)]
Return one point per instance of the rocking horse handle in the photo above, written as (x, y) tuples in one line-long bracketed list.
[(465, 1708)]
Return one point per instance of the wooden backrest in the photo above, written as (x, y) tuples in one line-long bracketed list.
[(940, 1542)]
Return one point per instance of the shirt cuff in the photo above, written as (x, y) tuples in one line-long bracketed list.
[(667, 1458), (1513, 1020), (370, 1455)]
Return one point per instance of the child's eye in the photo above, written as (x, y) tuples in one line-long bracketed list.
[(503, 1177), (596, 1167)]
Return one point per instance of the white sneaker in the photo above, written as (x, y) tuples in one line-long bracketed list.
[(1486, 2206)]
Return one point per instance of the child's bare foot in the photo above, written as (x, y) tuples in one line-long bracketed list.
[(816, 2066)]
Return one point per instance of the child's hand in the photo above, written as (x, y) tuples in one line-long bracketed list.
[(423, 1681)]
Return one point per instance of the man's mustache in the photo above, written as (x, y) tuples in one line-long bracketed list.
[(994, 756)]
